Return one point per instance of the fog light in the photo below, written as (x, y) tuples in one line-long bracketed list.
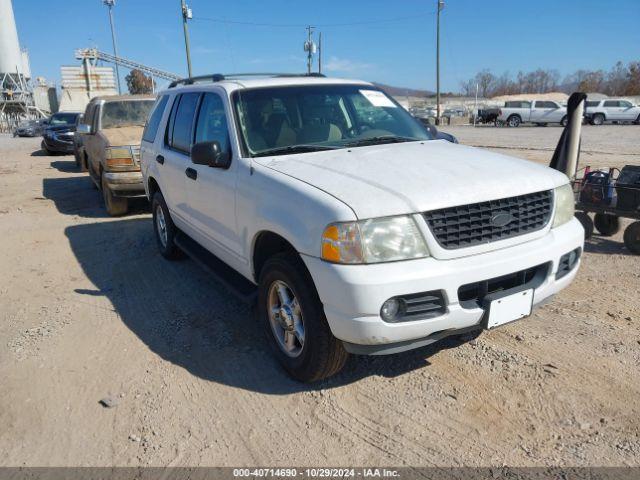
[(390, 310)]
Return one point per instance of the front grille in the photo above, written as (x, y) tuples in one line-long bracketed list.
[(472, 295), (478, 223)]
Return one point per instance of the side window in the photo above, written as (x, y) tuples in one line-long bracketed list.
[(87, 113), (540, 104), (212, 122), (592, 104), (610, 103), (95, 115), (180, 132), (625, 104), (153, 123)]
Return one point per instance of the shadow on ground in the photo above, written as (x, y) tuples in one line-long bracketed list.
[(65, 166), (604, 245), (78, 195), (39, 153), (186, 317)]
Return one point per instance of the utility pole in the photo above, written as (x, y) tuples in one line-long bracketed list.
[(440, 7), (320, 53), (309, 47), (187, 14), (110, 4)]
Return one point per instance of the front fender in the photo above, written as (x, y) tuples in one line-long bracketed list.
[(297, 211)]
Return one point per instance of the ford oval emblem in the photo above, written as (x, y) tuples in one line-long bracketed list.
[(502, 219)]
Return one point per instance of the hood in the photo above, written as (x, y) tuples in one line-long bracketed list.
[(394, 179), (120, 136), (61, 128)]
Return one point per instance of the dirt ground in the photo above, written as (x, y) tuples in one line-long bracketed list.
[(89, 309)]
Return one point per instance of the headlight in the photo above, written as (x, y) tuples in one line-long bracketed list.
[(564, 205), (373, 241), (119, 156)]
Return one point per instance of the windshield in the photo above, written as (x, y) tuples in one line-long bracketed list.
[(126, 113), (58, 119), (294, 119)]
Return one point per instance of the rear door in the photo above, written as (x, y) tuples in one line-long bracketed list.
[(612, 110), (211, 192), (178, 138)]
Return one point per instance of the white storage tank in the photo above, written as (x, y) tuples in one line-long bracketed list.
[(11, 60)]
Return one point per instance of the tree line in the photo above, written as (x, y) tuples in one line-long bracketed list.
[(621, 80)]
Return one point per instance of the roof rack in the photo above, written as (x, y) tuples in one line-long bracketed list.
[(218, 77)]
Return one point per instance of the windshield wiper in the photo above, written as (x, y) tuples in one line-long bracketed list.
[(292, 149), (379, 140)]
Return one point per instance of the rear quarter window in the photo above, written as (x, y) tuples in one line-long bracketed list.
[(151, 129)]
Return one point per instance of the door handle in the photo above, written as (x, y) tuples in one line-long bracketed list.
[(191, 173), (160, 159)]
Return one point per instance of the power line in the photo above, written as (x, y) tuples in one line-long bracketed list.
[(323, 25)]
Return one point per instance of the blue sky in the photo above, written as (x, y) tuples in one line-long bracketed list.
[(502, 35)]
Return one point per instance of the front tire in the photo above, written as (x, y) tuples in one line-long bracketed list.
[(632, 238), (606, 224), (164, 228), (586, 222), (564, 121), (115, 206), (513, 121), (44, 148), (598, 119), (294, 321)]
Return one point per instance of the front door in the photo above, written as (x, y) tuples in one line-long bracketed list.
[(212, 193)]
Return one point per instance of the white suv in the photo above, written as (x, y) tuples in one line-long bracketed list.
[(600, 111), (357, 231)]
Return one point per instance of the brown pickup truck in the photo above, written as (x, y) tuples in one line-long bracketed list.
[(109, 147)]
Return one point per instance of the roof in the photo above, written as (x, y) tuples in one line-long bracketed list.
[(231, 84), (119, 98)]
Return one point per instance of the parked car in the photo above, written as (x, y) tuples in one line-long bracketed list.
[(540, 112), (58, 133), (110, 147), (30, 128), (611, 110), (356, 232)]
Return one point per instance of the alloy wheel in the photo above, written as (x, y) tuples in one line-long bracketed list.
[(161, 226), (285, 318)]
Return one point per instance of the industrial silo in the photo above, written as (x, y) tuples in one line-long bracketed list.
[(16, 97)]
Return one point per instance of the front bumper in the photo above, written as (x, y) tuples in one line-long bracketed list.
[(125, 184), (55, 145), (352, 295)]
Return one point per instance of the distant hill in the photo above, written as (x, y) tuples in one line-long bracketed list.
[(402, 92)]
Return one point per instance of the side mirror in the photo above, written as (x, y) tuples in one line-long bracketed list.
[(83, 128), (432, 130), (210, 154)]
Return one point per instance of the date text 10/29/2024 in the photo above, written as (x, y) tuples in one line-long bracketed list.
[(316, 472)]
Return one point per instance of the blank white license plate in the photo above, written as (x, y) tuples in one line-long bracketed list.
[(508, 309)]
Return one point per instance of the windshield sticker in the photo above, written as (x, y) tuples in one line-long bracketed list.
[(377, 99)]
